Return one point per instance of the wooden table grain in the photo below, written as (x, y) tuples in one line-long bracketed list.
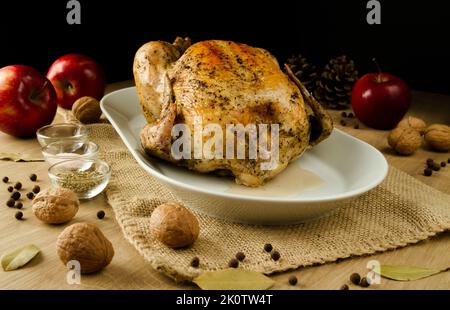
[(128, 269)]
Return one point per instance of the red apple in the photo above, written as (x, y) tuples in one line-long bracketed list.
[(380, 100), (75, 76), (27, 101)]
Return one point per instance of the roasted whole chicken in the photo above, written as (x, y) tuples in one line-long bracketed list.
[(223, 82)]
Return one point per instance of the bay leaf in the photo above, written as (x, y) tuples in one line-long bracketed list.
[(19, 257), (407, 273), (233, 279), (18, 157)]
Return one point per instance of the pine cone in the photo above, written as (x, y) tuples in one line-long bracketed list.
[(305, 71), (335, 84)]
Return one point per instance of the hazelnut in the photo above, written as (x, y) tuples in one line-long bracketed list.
[(87, 110), (404, 140), (414, 123), (55, 206), (437, 137), (86, 244), (174, 225)]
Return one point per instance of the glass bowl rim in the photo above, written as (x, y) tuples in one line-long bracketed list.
[(83, 130), (95, 149), (102, 162)]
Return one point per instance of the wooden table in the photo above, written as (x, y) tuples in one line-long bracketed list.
[(128, 269)]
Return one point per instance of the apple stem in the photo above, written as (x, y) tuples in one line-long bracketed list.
[(379, 79)]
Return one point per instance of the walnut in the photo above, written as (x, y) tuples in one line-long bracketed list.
[(437, 137), (55, 206), (413, 122), (86, 244), (174, 225), (87, 110), (404, 140)]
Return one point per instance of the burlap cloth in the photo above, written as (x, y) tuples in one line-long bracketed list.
[(400, 211)]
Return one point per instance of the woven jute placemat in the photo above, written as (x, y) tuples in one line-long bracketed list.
[(400, 211)]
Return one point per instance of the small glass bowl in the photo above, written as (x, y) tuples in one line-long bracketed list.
[(65, 150), (87, 178), (57, 132)]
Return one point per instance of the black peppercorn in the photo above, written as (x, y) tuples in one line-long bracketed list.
[(19, 215), (275, 255), (18, 185), (268, 247), (430, 161), (343, 123), (101, 214), (356, 126), (15, 195), (33, 177), (195, 262), (233, 263), (293, 280), (344, 114), (355, 278), (5, 179), (240, 256), (364, 282), (10, 189), (30, 195), (344, 287), (350, 115), (19, 205), (448, 161), (10, 203), (36, 189), (427, 172), (443, 164), (436, 167)]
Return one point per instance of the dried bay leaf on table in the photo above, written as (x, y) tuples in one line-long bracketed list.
[(19, 257), (18, 157), (233, 279), (407, 273)]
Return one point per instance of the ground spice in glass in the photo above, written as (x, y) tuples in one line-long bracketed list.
[(79, 181)]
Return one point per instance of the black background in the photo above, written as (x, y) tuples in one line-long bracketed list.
[(412, 41)]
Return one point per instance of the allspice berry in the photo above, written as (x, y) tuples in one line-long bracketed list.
[(87, 110), (437, 136), (404, 140), (174, 225), (414, 123)]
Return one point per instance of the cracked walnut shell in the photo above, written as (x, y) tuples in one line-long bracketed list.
[(174, 225), (55, 206), (87, 110), (85, 243)]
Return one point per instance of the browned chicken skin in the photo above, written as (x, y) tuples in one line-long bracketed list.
[(223, 82)]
